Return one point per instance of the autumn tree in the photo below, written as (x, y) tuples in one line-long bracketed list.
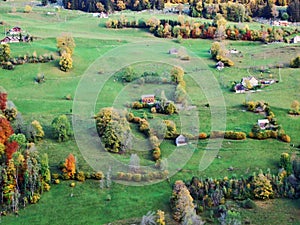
[(62, 128), (19, 138), (66, 62), (70, 166), (295, 63), (3, 99), (65, 44), (183, 206), (35, 131), (295, 106), (4, 52), (177, 74), (100, 7), (10, 149), (5, 129), (114, 130), (220, 22), (27, 9)]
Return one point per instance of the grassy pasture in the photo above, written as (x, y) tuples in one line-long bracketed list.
[(45, 101)]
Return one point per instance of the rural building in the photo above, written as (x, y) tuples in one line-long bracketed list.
[(9, 40), (181, 140), (263, 124), (149, 99), (14, 31), (296, 39), (239, 88), (280, 23), (220, 65), (249, 82), (103, 15)]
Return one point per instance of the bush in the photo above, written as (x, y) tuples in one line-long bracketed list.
[(98, 175), (130, 117), (137, 105), (285, 138), (80, 176), (40, 78), (120, 175), (235, 135), (66, 62), (156, 154), (128, 176), (153, 110), (137, 177), (248, 204), (295, 63), (262, 187), (55, 175), (202, 135), (154, 141), (7, 65), (62, 128), (217, 134), (27, 9), (285, 163)]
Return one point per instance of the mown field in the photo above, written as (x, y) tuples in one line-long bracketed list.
[(93, 42)]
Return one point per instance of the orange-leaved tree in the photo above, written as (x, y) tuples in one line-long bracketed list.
[(70, 165), (5, 129)]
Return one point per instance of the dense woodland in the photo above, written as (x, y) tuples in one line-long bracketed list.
[(238, 11)]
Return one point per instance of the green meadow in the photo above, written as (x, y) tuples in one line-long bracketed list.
[(95, 52)]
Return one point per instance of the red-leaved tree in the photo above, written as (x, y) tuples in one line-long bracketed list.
[(3, 100), (11, 148), (5, 129)]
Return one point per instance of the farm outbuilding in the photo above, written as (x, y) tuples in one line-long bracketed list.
[(181, 140)]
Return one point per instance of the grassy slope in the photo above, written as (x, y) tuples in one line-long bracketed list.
[(44, 102)]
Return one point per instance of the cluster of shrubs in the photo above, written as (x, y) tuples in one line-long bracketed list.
[(20, 60), (139, 105), (137, 177), (144, 127), (273, 131), (233, 135), (266, 134), (70, 172)]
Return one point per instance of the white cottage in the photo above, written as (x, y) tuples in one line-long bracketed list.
[(181, 140), (263, 123)]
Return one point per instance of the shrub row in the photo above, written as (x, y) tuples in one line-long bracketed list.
[(137, 177), (80, 176), (233, 135)]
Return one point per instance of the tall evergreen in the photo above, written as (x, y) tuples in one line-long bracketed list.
[(294, 10)]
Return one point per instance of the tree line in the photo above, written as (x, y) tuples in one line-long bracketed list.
[(239, 11)]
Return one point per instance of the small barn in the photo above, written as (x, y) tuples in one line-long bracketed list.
[(149, 99), (239, 88), (220, 65), (296, 39), (263, 124), (173, 51), (181, 141)]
